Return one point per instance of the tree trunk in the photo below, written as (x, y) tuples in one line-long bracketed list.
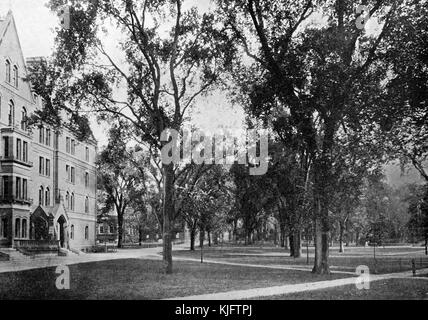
[(209, 238), (249, 238), (235, 231), (286, 244), (215, 238), (192, 238), (292, 247), (325, 268), (119, 230), (348, 236), (140, 235), (322, 181), (297, 245), (168, 213), (283, 237), (201, 238), (341, 229), (275, 235), (318, 247)]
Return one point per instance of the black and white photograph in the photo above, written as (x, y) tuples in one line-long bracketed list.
[(213, 150)]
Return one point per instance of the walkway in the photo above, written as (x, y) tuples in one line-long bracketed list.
[(270, 266), (292, 288), (53, 260)]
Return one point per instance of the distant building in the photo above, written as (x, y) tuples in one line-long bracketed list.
[(47, 179)]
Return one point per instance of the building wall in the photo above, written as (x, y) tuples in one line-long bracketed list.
[(55, 150)]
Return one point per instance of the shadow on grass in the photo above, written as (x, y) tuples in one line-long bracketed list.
[(144, 279)]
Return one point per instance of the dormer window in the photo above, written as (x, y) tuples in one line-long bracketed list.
[(7, 71)]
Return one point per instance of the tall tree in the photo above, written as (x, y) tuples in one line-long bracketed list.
[(119, 178), (172, 55), (322, 77)]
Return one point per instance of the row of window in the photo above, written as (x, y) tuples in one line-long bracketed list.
[(107, 229), (21, 229), (70, 202), (70, 172), (86, 232), (11, 115), (44, 167), (21, 192), (45, 135), (11, 74), (21, 187), (44, 196), (21, 148), (70, 147)]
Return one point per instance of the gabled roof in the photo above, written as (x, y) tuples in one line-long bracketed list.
[(7, 25), (3, 25)]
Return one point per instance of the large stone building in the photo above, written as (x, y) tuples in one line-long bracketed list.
[(47, 179)]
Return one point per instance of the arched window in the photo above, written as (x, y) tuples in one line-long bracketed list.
[(47, 197), (67, 200), (15, 76), (41, 195), (86, 233), (8, 71), (24, 228), (72, 202), (11, 115), (17, 227), (72, 231), (86, 179), (24, 119), (86, 204)]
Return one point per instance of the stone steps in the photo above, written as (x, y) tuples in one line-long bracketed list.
[(15, 256)]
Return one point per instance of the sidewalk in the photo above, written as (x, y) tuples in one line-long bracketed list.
[(271, 266), (293, 288), (52, 261)]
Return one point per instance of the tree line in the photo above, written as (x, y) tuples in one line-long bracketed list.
[(339, 100)]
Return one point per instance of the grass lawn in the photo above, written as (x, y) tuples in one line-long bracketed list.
[(392, 289), (388, 259), (144, 279)]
